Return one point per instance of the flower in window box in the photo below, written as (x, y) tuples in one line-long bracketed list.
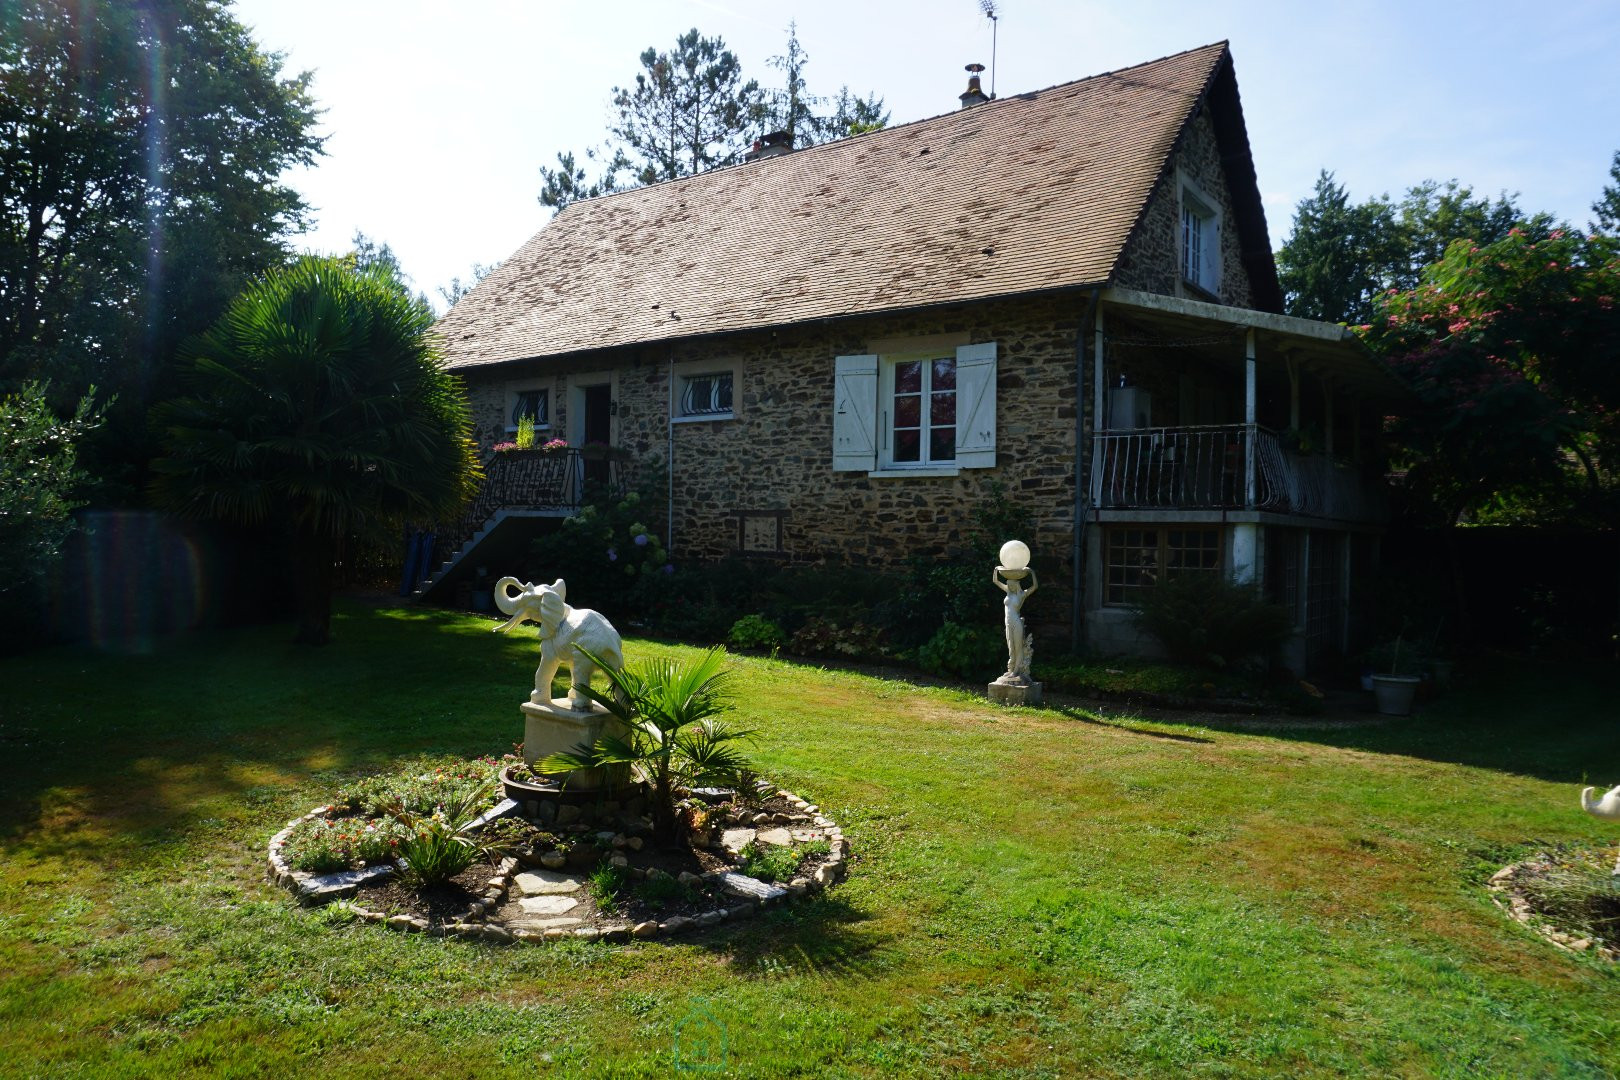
[(505, 447), (555, 445)]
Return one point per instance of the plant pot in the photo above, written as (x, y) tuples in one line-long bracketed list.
[(1394, 693)]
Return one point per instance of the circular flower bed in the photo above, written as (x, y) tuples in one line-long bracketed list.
[(439, 850), (1571, 897)]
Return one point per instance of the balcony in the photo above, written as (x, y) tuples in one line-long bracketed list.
[(517, 484), (1227, 467)]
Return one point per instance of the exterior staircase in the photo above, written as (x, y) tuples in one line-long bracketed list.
[(521, 484)]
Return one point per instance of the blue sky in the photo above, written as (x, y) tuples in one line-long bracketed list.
[(440, 114)]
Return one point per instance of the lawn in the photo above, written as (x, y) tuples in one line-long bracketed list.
[(1033, 893)]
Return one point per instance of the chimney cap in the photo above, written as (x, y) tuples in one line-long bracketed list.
[(974, 68)]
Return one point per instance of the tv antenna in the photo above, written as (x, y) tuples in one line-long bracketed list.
[(990, 12)]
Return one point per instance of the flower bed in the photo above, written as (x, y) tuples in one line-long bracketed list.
[(1571, 897), (548, 869)]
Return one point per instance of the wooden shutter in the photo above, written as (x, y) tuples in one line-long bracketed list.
[(855, 414), (976, 406)]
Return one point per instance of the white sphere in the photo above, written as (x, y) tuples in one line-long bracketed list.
[(1015, 555)]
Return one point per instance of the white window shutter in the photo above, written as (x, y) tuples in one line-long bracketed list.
[(855, 414), (976, 406), (1210, 272)]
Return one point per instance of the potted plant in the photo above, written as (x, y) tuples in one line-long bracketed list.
[(1396, 668)]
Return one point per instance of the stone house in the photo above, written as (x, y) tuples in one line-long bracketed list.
[(839, 350)]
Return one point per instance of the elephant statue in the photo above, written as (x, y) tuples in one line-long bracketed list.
[(564, 632)]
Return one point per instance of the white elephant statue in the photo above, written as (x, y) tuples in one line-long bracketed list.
[(564, 632)]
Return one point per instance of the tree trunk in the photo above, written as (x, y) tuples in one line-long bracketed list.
[(313, 559)]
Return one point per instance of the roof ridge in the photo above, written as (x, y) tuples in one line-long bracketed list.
[(1223, 44)]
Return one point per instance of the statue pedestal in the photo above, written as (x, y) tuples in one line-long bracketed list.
[(1007, 691), (556, 726)]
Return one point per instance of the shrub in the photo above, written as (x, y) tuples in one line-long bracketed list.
[(965, 652), (755, 632), (1201, 619), (434, 848), (822, 637)]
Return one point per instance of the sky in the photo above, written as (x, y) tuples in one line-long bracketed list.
[(439, 115)]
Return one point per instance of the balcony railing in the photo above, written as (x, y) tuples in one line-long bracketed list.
[(548, 481), (1225, 467)]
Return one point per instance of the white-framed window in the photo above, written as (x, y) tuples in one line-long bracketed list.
[(706, 395), (531, 401), (926, 412), (1199, 239), (917, 406)]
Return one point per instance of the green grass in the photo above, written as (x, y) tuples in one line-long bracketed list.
[(1034, 893)]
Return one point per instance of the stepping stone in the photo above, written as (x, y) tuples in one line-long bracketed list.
[(737, 839), (545, 883), (548, 905), (805, 836), (323, 888), (776, 837)]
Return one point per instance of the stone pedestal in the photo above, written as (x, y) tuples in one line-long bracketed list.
[(556, 726), (1022, 692)]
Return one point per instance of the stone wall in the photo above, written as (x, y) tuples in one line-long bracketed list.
[(1151, 260), (776, 454)]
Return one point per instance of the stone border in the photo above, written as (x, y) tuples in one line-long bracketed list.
[(1507, 896), (752, 893)]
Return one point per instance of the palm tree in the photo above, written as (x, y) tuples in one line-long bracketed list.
[(676, 738), (317, 405)]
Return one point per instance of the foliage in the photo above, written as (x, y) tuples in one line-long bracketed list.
[(839, 641), (420, 789), (793, 108), (675, 737), (608, 884), (608, 545), (755, 632), (1513, 349), (1341, 256), (1578, 892), (1400, 656), (964, 652), (1204, 619), (1607, 207), (40, 480), (324, 845), (525, 433), (434, 848), (662, 891), (316, 404), (691, 109), (767, 862), (453, 292), (142, 154)]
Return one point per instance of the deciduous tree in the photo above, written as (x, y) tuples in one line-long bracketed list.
[(142, 147)]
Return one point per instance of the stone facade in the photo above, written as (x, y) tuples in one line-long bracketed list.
[(1151, 260), (776, 454)]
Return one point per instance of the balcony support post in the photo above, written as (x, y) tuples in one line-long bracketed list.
[(1327, 409), (1249, 413)]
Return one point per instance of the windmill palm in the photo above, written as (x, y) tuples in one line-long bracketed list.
[(676, 736), (317, 405)]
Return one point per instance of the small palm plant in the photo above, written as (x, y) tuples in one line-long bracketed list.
[(676, 735)]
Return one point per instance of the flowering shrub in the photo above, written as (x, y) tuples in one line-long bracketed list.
[(553, 445), (420, 790), (1512, 348), (505, 447)]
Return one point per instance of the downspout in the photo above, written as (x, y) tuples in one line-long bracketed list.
[(1082, 474), (669, 463)]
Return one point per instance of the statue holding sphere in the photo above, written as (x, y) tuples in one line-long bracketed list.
[(1016, 578)]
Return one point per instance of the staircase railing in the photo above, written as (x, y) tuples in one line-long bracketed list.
[(536, 480)]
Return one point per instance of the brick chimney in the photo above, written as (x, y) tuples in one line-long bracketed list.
[(774, 144)]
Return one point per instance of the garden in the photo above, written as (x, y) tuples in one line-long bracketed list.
[(1029, 892)]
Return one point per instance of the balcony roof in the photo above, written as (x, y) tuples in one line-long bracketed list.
[(1329, 351)]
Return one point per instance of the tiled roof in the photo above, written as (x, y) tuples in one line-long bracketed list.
[(1024, 193)]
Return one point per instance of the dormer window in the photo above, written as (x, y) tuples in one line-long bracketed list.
[(1200, 241)]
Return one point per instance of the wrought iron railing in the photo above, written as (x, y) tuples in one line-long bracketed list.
[(1225, 467), (535, 480)]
